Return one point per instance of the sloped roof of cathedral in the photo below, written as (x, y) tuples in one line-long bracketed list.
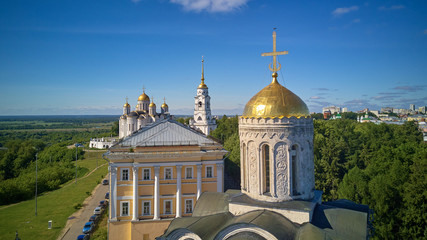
[(331, 220), (166, 132)]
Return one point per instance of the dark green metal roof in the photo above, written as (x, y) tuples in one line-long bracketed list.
[(331, 220)]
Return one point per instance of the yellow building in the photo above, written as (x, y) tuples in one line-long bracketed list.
[(157, 174)]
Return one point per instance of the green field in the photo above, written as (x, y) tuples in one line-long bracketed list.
[(57, 205)]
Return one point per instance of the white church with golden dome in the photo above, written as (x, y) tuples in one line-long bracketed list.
[(277, 199), (144, 114)]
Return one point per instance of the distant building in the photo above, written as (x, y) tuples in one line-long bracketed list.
[(326, 114), (423, 128), (332, 109), (416, 117), (102, 143), (338, 116), (344, 109), (412, 107), (203, 120), (375, 112), (145, 113), (422, 109), (387, 110)]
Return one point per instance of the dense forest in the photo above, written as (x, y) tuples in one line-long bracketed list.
[(383, 166)]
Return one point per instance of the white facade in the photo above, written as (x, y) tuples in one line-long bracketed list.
[(101, 143), (145, 113), (202, 119), (277, 158)]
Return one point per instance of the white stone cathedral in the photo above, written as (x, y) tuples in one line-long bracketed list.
[(277, 198), (144, 114), (202, 119), (276, 142)]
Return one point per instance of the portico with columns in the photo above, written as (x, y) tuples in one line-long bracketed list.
[(159, 173)]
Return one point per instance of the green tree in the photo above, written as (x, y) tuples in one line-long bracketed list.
[(115, 128)]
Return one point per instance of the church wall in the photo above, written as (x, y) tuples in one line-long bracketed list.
[(146, 190), (280, 135), (189, 188), (147, 230), (209, 186), (119, 230), (167, 189), (124, 190)]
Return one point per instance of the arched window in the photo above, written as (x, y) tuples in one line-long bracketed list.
[(199, 119), (200, 104), (266, 168), (294, 155)]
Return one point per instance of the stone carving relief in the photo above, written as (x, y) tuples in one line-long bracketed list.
[(281, 170), (253, 168)]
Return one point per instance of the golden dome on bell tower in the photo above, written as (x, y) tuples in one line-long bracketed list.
[(275, 101)]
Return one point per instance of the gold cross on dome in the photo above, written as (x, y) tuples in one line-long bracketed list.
[(126, 99), (276, 65)]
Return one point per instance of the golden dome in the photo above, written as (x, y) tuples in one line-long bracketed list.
[(275, 101), (126, 105), (143, 97), (202, 84), (152, 104), (164, 105)]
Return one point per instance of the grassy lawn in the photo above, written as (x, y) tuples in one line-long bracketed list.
[(90, 160), (56, 205)]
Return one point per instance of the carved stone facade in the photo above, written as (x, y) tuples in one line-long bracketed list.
[(277, 158)]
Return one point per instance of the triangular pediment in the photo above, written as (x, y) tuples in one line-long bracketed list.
[(165, 133)]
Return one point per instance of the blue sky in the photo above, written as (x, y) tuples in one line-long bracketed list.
[(85, 57)]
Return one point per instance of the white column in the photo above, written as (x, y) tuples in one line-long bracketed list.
[(242, 167), (135, 194), (219, 177), (113, 190), (178, 191), (156, 193), (199, 180)]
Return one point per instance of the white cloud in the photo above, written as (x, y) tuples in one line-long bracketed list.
[(210, 5), (357, 20), (340, 11), (394, 7), (316, 97)]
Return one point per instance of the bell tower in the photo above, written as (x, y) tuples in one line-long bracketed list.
[(202, 119)]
